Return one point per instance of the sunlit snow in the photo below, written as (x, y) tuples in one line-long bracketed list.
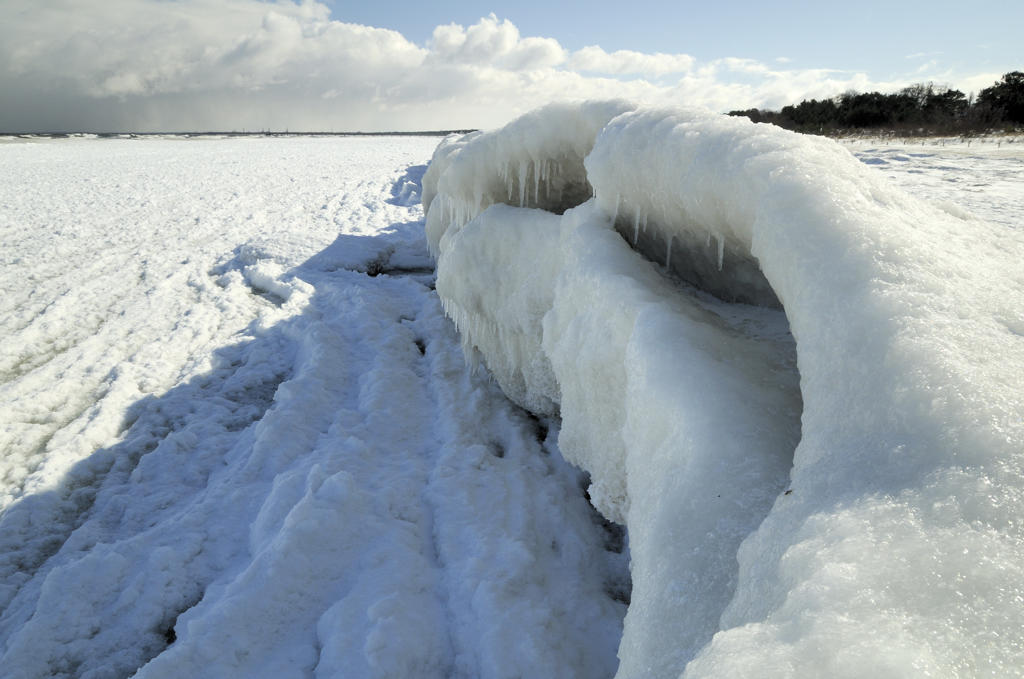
[(239, 436), (844, 500)]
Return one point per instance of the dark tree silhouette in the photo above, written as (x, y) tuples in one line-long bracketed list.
[(1007, 96), (913, 109)]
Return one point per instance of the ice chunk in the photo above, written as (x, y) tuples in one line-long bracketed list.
[(510, 331)]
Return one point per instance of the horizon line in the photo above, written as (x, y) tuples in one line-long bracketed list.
[(266, 133)]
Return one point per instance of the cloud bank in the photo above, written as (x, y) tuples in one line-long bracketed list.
[(152, 65)]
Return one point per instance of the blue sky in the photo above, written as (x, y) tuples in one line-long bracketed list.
[(183, 65), (889, 40)]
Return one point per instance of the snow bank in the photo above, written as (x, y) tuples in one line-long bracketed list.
[(894, 547)]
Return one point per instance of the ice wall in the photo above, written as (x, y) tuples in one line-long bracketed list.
[(894, 549)]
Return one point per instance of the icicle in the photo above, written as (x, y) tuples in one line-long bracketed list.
[(523, 174), (708, 243), (636, 225), (721, 251), (668, 257), (618, 197), (536, 184)]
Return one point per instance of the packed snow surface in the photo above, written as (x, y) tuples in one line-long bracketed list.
[(839, 496), (239, 437)]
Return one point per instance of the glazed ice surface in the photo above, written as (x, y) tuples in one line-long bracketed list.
[(887, 541)]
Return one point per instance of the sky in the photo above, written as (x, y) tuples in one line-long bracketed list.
[(222, 65)]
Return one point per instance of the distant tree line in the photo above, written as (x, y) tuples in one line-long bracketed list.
[(915, 109)]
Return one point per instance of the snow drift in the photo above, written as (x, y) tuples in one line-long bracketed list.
[(860, 516)]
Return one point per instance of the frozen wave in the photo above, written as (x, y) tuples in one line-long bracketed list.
[(894, 547)]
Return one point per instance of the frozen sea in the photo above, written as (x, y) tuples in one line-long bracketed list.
[(239, 437)]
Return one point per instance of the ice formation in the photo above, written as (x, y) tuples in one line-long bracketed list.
[(858, 518), (537, 160)]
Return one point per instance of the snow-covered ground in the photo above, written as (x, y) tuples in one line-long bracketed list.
[(239, 438), (218, 430), (983, 178)]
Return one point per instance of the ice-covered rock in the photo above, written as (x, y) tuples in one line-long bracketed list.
[(534, 161)]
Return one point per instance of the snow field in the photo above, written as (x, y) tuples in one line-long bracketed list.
[(984, 178), (239, 437), (894, 548), (241, 440)]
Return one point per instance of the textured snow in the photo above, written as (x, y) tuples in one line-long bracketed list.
[(980, 180), (887, 541), (240, 439), (239, 436)]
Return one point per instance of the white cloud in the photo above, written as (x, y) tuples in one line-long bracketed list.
[(493, 43), (595, 60), (231, 64), (979, 82), (735, 65), (144, 47)]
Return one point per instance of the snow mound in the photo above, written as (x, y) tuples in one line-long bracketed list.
[(860, 517)]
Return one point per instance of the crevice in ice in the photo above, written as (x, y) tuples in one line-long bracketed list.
[(542, 427), (553, 184), (536, 162), (404, 271), (703, 261), (170, 635), (168, 628), (378, 265), (617, 581)]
